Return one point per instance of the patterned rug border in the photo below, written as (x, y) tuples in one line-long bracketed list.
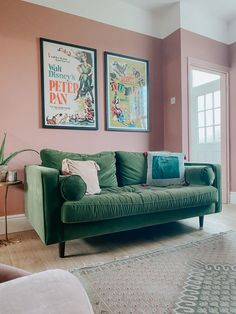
[(140, 256)]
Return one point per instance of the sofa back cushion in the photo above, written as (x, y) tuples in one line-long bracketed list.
[(106, 160), (131, 168)]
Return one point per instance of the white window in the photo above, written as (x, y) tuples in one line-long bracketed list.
[(209, 119)]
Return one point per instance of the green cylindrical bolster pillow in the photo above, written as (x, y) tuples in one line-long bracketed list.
[(73, 187), (199, 175)]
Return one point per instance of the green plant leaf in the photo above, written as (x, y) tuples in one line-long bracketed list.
[(2, 148), (11, 156)]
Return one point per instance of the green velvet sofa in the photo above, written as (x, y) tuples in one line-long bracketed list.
[(125, 201)]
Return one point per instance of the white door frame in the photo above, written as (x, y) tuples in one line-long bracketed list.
[(224, 72)]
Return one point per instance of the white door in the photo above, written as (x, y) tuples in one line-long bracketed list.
[(207, 120)]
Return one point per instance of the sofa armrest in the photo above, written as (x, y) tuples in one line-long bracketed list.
[(216, 183), (43, 202)]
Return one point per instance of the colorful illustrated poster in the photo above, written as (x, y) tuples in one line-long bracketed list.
[(69, 91), (126, 93)]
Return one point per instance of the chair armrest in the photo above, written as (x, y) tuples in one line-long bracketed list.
[(9, 273), (216, 183), (43, 202)]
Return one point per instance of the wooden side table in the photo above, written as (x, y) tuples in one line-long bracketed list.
[(6, 185)]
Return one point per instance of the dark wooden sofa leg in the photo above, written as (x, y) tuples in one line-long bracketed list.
[(62, 249), (201, 221)]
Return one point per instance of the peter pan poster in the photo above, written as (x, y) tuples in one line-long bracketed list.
[(69, 92), (126, 93)]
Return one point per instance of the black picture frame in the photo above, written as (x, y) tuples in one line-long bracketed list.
[(68, 86), (126, 93)]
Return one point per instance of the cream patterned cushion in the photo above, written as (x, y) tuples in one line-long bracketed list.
[(87, 170)]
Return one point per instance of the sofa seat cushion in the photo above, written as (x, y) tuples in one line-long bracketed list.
[(136, 200)]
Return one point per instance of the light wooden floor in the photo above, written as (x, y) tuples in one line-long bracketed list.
[(32, 255)]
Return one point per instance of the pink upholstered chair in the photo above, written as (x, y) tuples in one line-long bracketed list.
[(52, 291)]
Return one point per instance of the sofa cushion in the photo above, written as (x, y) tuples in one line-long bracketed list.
[(131, 168), (165, 168), (86, 169), (135, 200), (199, 175), (73, 188), (106, 160)]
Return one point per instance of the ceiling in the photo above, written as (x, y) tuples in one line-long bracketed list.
[(223, 9), (151, 4)]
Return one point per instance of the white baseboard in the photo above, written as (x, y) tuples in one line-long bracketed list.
[(232, 197), (15, 223)]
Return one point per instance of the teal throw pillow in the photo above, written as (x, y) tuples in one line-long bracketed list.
[(73, 188), (165, 168)]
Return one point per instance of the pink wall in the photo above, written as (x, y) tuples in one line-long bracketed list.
[(171, 71), (21, 26), (176, 49), (232, 55), (204, 49)]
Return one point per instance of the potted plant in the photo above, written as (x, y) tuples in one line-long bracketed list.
[(5, 160)]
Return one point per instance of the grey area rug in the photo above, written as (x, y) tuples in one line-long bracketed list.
[(198, 277)]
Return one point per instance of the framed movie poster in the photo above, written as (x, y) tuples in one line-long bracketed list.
[(126, 82), (69, 86)]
